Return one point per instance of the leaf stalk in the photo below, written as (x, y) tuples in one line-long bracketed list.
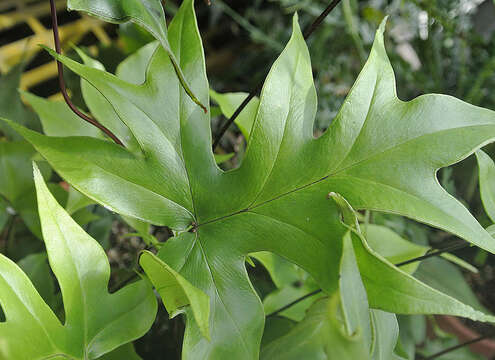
[(61, 80)]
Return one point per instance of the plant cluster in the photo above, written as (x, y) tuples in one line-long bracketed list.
[(296, 205)]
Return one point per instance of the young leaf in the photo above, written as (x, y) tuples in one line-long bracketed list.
[(96, 322), (176, 292), (380, 153), (148, 14)]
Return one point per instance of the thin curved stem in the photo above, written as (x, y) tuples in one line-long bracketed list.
[(61, 80), (410, 261), (435, 253), (278, 311), (307, 33), (458, 346)]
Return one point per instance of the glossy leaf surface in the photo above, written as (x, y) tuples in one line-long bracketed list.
[(380, 153)]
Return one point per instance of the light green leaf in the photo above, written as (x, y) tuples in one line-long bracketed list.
[(102, 109), (354, 301), (447, 278), (292, 283), (221, 158), (397, 249), (229, 102), (386, 334), (134, 68), (391, 289), (176, 292), (76, 201), (412, 332), (57, 119), (96, 322), (487, 182), (281, 271), (380, 153), (393, 247), (142, 230), (148, 14), (289, 293)]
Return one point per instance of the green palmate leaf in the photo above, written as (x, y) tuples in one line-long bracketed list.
[(148, 14), (229, 102), (176, 291), (379, 153), (96, 322), (487, 183)]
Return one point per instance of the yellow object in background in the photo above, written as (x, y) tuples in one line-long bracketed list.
[(15, 13)]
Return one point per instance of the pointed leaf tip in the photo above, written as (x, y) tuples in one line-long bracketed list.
[(295, 19), (383, 24), (38, 178)]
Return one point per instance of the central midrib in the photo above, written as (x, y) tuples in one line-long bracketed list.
[(267, 201), (247, 209)]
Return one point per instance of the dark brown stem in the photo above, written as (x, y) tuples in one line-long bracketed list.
[(319, 19), (278, 311), (458, 346), (61, 80), (435, 253), (255, 91)]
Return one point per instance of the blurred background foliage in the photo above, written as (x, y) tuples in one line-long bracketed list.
[(435, 46)]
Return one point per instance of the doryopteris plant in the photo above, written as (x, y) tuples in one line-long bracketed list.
[(379, 153)]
